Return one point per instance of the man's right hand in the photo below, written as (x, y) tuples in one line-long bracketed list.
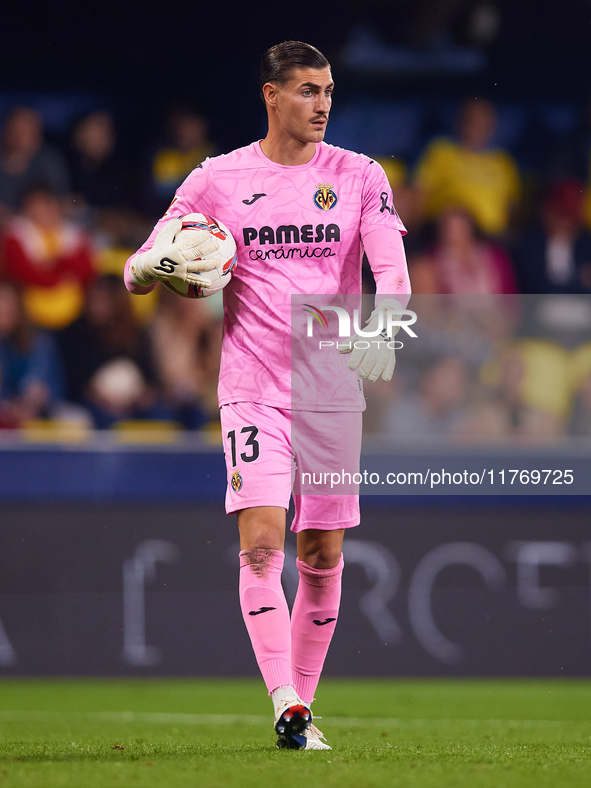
[(168, 259)]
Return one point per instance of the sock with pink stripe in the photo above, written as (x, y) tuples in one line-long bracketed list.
[(313, 621), (266, 614)]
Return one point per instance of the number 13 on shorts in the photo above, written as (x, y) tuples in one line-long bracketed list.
[(259, 461), (250, 441)]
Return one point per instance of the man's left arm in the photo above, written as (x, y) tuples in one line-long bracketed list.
[(387, 260), (381, 233)]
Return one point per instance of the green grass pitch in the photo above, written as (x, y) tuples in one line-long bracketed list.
[(215, 733)]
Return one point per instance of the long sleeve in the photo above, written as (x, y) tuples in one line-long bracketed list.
[(195, 194), (385, 252), (381, 233)]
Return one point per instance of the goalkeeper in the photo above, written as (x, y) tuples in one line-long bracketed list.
[(302, 213)]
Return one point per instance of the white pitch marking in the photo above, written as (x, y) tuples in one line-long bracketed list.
[(163, 718)]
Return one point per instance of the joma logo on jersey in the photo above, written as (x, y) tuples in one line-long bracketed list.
[(290, 234), (325, 198)]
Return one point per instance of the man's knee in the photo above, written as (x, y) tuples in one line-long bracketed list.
[(320, 549), (262, 527)]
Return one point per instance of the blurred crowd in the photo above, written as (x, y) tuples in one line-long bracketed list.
[(75, 347), (490, 369)]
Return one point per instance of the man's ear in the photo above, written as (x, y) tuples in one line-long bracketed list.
[(270, 93)]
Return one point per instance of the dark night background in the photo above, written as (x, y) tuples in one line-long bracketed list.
[(141, 59), (139, 62)]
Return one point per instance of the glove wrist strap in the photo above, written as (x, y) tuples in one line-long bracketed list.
[(139, 274)]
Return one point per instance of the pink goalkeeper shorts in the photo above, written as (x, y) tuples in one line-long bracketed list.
[(271, 452)]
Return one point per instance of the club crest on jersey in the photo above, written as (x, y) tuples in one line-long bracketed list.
[(236, 481), (325, 198)]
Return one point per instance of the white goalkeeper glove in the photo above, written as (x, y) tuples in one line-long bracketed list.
[(168, 259), (379, 358)]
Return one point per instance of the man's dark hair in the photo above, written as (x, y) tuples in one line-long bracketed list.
[(280, 60)]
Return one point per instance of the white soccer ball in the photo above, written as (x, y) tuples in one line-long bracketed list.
[(191, 233)]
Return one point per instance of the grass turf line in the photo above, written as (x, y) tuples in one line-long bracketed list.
[(425, 733)]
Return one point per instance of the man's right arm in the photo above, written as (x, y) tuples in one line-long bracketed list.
[(193, 195)]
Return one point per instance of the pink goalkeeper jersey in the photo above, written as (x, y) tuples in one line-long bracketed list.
[(299, 230)]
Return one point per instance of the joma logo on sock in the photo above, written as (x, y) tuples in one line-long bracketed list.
[(320, 623), (260, 610)]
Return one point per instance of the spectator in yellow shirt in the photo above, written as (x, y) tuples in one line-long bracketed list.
[(469, 174), (189, 146)]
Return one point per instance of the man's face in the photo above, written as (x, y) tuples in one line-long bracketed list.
[(302, 105)]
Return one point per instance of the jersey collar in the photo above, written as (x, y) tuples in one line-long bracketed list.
[(285, 167)]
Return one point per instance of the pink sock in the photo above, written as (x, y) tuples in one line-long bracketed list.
[(313, 621), (266, 614)]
